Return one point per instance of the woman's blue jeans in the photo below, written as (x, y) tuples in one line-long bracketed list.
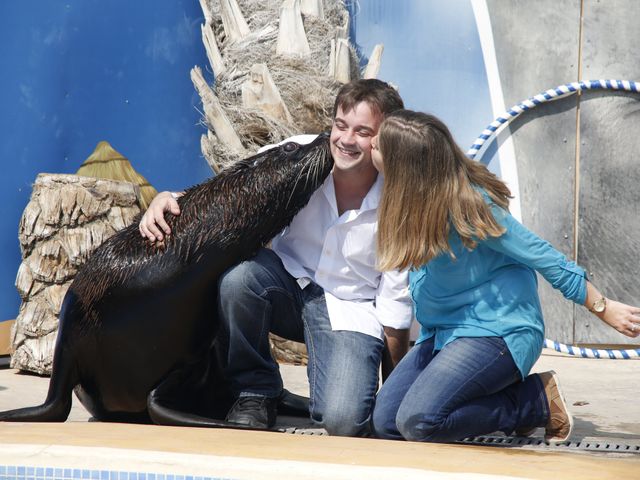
[(259, 296), (470, 387)]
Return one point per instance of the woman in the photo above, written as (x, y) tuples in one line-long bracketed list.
[(473, 283)]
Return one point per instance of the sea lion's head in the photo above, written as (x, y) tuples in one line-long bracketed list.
[(281, 181), (258, 196), (292, 170)]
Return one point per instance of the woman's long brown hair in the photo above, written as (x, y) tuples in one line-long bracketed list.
[(429, 186)]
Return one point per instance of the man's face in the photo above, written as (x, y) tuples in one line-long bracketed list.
[(351, 135)]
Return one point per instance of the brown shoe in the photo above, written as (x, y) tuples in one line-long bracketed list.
[(558, 428)]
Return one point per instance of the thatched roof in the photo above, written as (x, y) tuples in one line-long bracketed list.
[(106, 162)]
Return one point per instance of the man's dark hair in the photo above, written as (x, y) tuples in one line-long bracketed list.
[(381, 97)]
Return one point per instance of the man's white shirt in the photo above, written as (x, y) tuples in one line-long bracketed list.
[(338, 252)]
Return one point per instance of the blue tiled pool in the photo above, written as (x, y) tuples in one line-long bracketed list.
[(18, 472)]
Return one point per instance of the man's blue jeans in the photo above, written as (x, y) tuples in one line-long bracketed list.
[(259, 296), (471, 387)]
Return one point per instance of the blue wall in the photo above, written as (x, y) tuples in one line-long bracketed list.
[(79, 71), (75, 72), (432, 53)]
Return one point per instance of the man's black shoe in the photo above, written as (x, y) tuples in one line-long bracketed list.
[(254, 412)]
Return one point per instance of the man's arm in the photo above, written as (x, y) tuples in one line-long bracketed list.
[(395, 313), (153, 225), (396, 345)]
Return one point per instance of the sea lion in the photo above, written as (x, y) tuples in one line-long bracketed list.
[(137, 331)]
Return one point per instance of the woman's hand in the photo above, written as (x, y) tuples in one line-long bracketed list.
[(152, 224), (624, 318)]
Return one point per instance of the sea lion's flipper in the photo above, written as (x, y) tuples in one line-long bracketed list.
[(57, 406), (64, 375), (293, 405), (164, 407), (164, 415)]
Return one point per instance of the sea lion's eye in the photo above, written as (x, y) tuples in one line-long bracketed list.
[(290, 147)]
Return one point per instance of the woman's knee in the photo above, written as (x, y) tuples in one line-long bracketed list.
[(419, 426)]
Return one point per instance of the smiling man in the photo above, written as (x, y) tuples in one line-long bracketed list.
[(318, 284)]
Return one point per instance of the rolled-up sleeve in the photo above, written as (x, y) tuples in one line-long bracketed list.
[(393, 303), (521, 244)]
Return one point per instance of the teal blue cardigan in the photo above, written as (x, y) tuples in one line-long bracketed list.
[(492, 289)]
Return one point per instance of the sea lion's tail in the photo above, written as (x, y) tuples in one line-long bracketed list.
[(64, 378)]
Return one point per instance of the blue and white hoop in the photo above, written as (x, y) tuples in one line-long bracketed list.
[(514, 112), (547, 96), (592, 352)]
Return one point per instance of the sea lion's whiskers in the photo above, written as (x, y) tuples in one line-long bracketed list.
[(293, 189), (312, 164)]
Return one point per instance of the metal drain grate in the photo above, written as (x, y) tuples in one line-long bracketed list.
[(304, 431), (599, 445)]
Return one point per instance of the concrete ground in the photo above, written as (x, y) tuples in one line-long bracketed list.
[(603, 395)]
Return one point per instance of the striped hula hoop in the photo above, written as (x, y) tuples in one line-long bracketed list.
[(592, 352), (547, 96), (514, 112)]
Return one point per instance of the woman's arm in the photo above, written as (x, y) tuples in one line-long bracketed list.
[(525, 246), (624, 318)]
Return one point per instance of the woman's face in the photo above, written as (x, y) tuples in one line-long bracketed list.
[(376, 156)]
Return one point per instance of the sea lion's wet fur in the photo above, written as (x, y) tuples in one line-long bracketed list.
[(138, 323), (247, 206)]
